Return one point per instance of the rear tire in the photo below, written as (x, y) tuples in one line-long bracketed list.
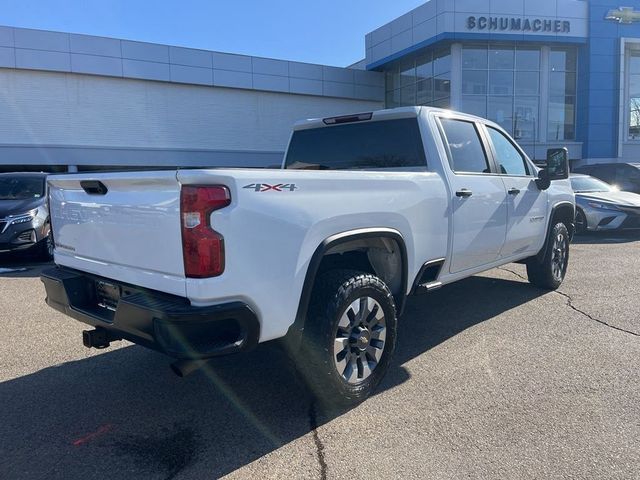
[(349, 337), (549, 272)]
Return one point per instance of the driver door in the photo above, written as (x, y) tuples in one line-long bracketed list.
[(526, 203)]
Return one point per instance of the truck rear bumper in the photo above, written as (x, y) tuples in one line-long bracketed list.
[(153, 319)]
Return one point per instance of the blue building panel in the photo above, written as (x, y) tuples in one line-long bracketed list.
[(601, 149), (604, 77), (601, 133), (600, 79), (601, 115), (605, 65)]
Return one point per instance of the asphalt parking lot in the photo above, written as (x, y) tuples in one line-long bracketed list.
[(492, 378)]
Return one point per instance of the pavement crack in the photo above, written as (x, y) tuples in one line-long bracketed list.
[(313, 424), (591, 317), (514, 273), (574, 308)]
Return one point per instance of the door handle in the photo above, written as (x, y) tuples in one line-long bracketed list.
[(513, 191), (464, 192)]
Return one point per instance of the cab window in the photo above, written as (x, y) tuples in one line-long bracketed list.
[(508, 158), (466, 153)]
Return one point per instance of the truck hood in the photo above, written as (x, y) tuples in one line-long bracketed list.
[(18, 207)]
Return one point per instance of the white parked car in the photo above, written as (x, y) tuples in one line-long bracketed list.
[(366, 210), (600, 206)]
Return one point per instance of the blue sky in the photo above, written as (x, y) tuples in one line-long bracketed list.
[(329, 32)]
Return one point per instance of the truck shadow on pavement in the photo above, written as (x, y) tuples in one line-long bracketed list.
[(123, 414)]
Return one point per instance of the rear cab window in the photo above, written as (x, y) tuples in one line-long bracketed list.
[(358, 146)]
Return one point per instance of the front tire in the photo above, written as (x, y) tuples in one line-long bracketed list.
[(549, 272), (349, 338)]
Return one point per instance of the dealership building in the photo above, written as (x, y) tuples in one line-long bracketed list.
[(551, 72)]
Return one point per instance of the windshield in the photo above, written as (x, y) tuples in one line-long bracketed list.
[(21, 188), (590, 184)]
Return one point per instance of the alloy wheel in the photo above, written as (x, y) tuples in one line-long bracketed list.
[(559, 256), (360, 340)]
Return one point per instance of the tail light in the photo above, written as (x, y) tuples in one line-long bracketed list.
[(202, 246)]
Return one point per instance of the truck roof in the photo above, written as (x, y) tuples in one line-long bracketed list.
[(387, 114)]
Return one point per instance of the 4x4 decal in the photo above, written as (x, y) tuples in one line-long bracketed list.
[(265, 187)]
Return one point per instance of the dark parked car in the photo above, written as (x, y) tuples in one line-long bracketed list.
[(625, 176), (24, 213)]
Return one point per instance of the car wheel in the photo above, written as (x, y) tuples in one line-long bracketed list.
[(549, 272), (581, 222), (349, 337), (47, 246)]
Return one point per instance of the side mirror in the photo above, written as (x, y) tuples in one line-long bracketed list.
[(557, 167)]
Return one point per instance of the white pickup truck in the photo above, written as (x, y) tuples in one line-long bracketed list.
[(366, 210)]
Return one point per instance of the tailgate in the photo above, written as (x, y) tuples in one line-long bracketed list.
[(130, 232)]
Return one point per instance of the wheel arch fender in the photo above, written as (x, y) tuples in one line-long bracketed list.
[(565, 211), (331, 244)]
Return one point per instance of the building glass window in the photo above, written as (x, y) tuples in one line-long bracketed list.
[(500, 110), (502, 83), (562, 94), (527, 84), (407, 73), (528, 59), (424, 79), (634, 96), (474, 58), (501, 58), (563, 60)]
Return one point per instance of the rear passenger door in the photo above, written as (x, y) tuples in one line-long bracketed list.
[(479, 212), (526, 203)]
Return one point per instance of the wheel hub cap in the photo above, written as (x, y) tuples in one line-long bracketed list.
[(559, 256), (360, 340)]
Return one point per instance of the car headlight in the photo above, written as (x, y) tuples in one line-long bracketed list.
[(603, 206), (24, 217)]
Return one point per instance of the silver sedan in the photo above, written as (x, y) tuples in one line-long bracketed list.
[(599, 206)]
